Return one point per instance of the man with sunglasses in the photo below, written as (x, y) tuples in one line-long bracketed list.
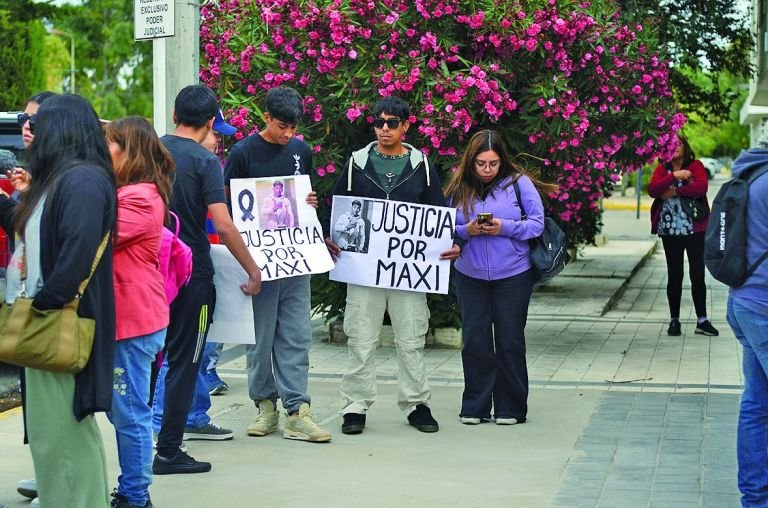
[(388, 169)]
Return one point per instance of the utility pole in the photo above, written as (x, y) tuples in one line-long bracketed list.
[(176, 62)]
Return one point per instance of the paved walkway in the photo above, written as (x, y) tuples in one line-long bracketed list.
[(621, 415)]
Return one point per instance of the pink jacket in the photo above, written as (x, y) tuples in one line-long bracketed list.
[(140, 304)]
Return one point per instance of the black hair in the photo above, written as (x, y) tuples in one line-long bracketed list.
[(688, 154), (195, 105), (394, 106), (278, 182), (357, 202), (67, 133), (284, 103), (41, 97)]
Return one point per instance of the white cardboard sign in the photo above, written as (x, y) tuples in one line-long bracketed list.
[(279, 228), (392, 244)]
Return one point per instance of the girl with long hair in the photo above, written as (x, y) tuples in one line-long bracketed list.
[(143, 169), (493, 276), (63, 217)]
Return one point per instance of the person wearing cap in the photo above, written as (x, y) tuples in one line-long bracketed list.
[(277, 208), (220, 128), (278, 362)]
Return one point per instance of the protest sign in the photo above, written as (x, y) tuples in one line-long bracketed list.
[(392, 244), (233, 315), (279, 228)]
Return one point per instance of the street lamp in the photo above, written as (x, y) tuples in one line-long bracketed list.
[(56, 31)]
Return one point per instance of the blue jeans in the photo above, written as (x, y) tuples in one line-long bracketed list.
[(278, 363), (493, 316), (752, 441), (211, 355), (201, 400), (131, 413)]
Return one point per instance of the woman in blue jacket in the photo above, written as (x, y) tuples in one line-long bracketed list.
[(493, 278)]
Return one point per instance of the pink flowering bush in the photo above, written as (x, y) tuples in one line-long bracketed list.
[(576, 93)]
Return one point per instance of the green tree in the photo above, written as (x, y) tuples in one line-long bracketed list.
[(21, 58), (707, 35), (112, 70)]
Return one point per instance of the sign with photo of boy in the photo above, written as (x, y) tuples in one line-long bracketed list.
[(392, 244)]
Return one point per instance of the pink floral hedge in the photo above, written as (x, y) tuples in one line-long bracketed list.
[(581, 95)]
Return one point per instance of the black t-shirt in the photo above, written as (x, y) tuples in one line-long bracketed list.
[(255, 157), (198, 183)]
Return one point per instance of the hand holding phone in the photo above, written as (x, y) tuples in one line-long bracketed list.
[(484, 218)]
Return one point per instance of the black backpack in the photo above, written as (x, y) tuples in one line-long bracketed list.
[(725, 242), (549, 253)]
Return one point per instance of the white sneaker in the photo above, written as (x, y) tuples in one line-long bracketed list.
[(27, 488), (470, 420), (506, 421)]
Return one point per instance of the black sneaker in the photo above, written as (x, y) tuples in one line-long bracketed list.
[(706, 328), (181, 463), (421, 418), (354, 423), (120, 501), (674, 328)]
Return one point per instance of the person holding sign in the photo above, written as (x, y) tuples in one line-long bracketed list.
[(350, 229), (198, 189), (278, 363), (493, 277), (387, 169)]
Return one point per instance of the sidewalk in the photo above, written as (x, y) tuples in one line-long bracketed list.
[(621, 415)]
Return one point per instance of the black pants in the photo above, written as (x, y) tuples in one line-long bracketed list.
[(191, 314), (693, 246), (493, 315)]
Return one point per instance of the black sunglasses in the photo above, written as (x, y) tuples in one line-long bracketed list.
[(392, 123), (23, 118)]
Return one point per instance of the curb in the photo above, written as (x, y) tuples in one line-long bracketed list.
[(629, 207), (613, 300)]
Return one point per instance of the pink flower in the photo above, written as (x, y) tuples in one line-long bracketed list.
[(353, 114)]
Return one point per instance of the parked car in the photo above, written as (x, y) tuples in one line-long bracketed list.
[(712, 166), (10, 139)]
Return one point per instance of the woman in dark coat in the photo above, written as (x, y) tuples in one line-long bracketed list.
[(62, 219)]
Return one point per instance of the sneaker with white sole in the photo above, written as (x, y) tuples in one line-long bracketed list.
[(35, 502), (302, 427), (706, 328), (208, 432), (27, 488), (266, 421), (470, 420), (508, 421)]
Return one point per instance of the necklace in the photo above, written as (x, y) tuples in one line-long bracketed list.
[(391, 157)]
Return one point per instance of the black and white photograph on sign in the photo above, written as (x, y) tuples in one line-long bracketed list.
[(277, 204), (280, 229), (401, 246), (351, 228)]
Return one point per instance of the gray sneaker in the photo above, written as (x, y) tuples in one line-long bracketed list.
[(302, 427), (266, 421), (208, 432)]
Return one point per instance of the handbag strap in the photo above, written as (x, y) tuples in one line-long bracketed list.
[(84, 284)]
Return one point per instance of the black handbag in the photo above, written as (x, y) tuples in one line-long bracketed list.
[(549, 252), (695, 208)]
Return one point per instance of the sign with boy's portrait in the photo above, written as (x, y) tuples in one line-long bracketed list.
[(392, 244)]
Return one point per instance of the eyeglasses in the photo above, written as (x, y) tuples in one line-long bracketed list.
[(392, 123), (491, 164), (23, 118)]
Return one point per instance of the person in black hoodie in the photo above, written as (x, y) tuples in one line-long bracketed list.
[(62, 219), (388, 169)]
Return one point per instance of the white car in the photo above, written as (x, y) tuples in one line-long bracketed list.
[(712, 165)]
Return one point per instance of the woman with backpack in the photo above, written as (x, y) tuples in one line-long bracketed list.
[(143, 169), (493, 278), (679, 216)]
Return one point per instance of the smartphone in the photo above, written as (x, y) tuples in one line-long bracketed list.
[(484, 218)]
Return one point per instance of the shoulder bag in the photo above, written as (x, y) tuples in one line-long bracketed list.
[(56, 340), (549, 252)]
